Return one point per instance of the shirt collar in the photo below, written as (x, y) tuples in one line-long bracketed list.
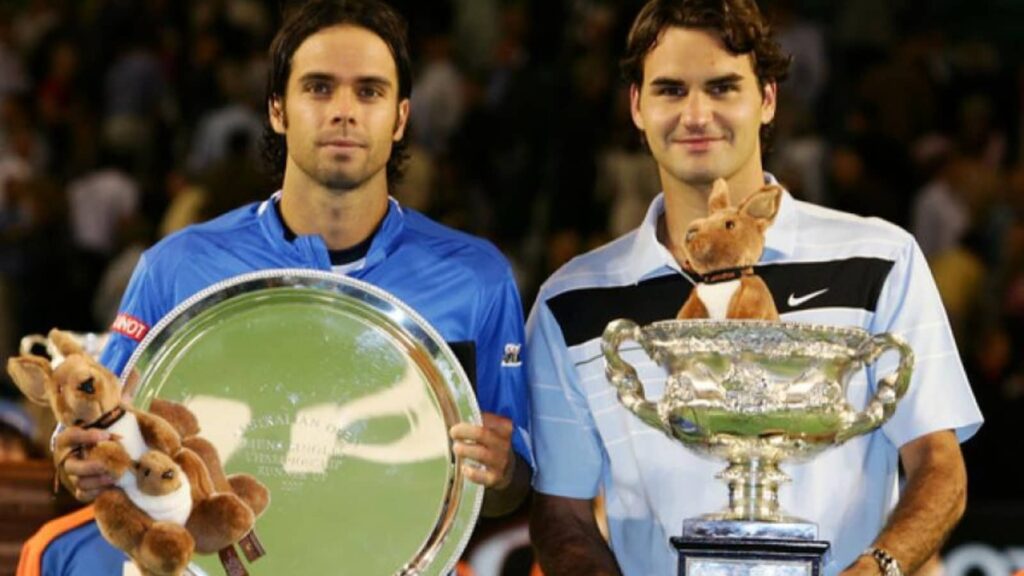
[(384, 242), (650, 258)]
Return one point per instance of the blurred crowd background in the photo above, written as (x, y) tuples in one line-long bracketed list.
[(124, 120)]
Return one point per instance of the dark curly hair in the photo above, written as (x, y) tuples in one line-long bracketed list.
[(738, 23), (308, 18)]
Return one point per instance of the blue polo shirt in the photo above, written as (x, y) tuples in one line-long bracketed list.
[(462, 285)]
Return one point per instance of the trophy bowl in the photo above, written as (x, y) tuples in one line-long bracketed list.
[(756, 394)]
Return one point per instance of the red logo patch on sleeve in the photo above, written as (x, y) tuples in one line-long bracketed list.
[(130, 326)]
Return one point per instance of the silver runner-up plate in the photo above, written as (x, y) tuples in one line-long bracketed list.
[(338, 397)]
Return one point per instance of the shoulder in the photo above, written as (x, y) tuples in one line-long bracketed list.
[(224, 229), (433, 241), (835, 231), (603, 267)]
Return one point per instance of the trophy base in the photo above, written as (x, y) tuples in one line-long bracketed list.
[(742, 548)]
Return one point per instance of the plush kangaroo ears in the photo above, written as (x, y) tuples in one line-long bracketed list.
[(763, 205), (65, 343), (719, 199), (33, 376)]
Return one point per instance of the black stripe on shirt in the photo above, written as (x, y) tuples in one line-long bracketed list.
[(853, 283)]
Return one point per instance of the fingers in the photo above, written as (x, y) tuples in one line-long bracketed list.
[(84, 478), (487, 447), (74, 437), (486, 477), (499, 424)]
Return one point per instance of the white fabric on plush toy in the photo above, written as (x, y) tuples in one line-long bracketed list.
[(129, 435), (174, 507), (716, 297)]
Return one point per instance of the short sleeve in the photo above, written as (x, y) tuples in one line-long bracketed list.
[(570, 457), (501, 377), (939, 396)]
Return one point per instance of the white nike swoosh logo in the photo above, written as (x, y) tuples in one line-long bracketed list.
[(794, 301)]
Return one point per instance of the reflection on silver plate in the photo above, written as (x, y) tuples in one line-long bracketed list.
[(337, 396)]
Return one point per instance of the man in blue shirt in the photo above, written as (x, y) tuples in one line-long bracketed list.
[(338, 102), (704, 79)]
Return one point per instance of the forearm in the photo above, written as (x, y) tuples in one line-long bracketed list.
[(568, 544), (504, 501), (932, 503)]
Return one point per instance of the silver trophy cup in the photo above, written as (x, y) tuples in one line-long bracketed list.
[(755, 395)]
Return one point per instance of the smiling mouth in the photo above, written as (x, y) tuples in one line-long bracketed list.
[(697, 145)]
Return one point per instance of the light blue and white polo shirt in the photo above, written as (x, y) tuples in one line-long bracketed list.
[(823, 267)]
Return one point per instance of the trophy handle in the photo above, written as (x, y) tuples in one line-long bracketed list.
[(623, 376), (889, 391)]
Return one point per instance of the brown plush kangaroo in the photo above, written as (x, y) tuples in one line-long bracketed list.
[(82, 392), (722, 250)]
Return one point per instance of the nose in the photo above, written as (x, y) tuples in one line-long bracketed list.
[(343, 108), (696, 111)]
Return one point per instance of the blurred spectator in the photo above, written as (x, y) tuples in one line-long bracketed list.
[(33, 23), (977, 133), (16, 432), (940, 215), (627, 176), (436, 96), (185, 203), (136, 99), (58, 97), (804, 40), (100, 202), (870, 172), (476, 32), (240, 114), (235, 179), (12, 72), (135, 236)]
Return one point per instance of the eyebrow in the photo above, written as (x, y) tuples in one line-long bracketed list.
[(364, 80), (718, 80)]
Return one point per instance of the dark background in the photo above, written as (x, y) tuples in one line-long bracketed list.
[(121, 120)]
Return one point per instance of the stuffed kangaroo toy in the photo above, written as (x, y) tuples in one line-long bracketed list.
[(722, 249), (158, 522)]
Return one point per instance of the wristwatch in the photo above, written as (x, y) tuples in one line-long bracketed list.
[(888, 565)]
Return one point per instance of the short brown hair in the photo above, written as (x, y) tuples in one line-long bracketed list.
[(738, 23)]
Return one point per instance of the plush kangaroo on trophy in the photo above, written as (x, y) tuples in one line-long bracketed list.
[(722, 249)]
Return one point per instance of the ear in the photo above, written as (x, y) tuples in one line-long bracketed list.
[(275, 111), (768, 101), (634, 106), (402, 121), (719, 199), (33, 376), (65, 343), (763, 205)]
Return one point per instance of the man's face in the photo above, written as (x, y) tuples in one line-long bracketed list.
[(340, 115), (700, 108)]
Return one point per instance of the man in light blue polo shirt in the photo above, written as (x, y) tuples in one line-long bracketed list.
[(704, 83)]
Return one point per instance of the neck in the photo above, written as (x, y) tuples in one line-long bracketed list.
[(342, 218)]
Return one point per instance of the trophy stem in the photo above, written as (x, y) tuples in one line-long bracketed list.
[(754, 490)]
